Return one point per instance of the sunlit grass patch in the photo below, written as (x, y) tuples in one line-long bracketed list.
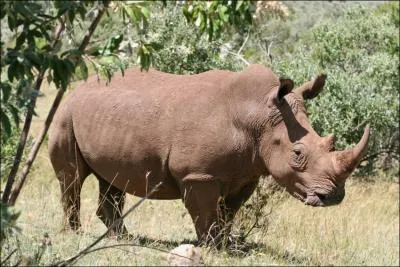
[(362, 230)]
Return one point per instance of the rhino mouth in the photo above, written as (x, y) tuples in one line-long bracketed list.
[(318, 199), (319, 196), (315, 199)]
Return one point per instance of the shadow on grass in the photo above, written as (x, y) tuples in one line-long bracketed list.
[(238, 249), (170, 244), (288, 257), (244, 249)]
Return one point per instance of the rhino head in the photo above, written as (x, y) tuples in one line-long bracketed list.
[(306, 164)]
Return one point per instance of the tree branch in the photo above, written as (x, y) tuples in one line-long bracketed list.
[(244, 43), (87, 250), (238, 55), (32, 155), (28, 119)]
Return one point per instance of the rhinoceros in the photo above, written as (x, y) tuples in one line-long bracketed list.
[(205, 138)]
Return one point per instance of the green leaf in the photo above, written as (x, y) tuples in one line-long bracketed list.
[(11, 22), (107, 60), (49, 77), (145, 12), (130, 11), (63, 73), (198, 21), (238, 4), (112, 45), (31, 40), (2, 9), (6, 92), (20, 40), (12, 71), (222, 13), (5, 123), (71, 15), (83, 69), (144, 56), (55, 75), (210, 30), (203, 24), (34, 59), (156, 46), (15, 113)]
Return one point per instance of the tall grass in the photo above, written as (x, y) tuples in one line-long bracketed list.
[(363, 230)]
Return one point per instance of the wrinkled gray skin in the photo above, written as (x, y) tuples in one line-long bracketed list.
[(207, 137)]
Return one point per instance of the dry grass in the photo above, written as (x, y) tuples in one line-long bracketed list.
[(363, 230)]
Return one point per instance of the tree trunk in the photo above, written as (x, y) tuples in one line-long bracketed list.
[(28, 121), (35, 148), (32, 155)]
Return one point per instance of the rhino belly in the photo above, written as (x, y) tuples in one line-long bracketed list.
[(136, 176)]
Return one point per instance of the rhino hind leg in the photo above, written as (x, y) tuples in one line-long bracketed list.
[(71, 171), (111, 205)]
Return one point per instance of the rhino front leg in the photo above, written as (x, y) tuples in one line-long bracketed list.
[(231, 204), (201, 199), (111, 205)]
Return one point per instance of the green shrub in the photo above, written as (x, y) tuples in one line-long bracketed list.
[(8, 150), (8, 221), (181, 48), (359, 55)]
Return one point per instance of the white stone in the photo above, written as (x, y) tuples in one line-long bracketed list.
[(185, 255)]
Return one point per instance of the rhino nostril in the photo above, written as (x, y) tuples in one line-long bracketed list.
[(320, 196)]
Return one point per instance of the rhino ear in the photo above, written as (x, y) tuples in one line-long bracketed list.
[(312, 88), (285, 87)]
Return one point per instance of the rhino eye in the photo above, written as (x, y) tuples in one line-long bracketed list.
[(297, 149), (298, 158)]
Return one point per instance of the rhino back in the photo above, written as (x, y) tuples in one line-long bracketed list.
[(144, 125)]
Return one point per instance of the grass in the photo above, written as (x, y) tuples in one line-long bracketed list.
[(363, 230)]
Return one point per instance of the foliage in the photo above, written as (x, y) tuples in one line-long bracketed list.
[(33, 48), (7, 152), (213, 16), (273, 36), (28, 52), (181, 48), (8, 220), (359, 55)]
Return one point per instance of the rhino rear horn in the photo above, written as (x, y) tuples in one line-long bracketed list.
[(312, 88), (285, 87)]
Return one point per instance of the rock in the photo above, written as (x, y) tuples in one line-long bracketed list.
[(185, 255)]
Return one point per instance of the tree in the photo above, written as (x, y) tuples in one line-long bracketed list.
[(28, 55)]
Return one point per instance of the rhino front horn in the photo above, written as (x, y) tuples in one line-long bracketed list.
[(346, 161)]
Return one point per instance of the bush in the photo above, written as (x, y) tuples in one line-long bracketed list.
[(182, 49), (8, 222), (360, 55), (8, 149)]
